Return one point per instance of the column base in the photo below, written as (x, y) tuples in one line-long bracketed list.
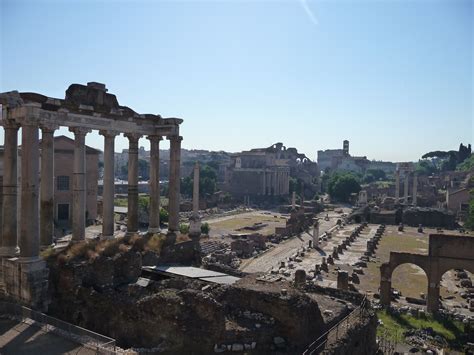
[(9, 251), (107, 237), (26, 281), (154, 230)]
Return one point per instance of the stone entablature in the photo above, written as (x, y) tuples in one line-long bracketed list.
[(85, 108)]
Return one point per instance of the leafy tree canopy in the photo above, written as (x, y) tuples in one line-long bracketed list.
[(342, 185)]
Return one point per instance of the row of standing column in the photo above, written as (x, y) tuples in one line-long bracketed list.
[(405, 188), (37, 202), (276, 183)]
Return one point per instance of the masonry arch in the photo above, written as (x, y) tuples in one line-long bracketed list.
[(410, 280), (397, 259)]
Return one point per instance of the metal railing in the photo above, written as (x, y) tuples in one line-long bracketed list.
[(339, 330), (100, 343)]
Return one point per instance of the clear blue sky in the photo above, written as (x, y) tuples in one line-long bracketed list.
[(393, 77)]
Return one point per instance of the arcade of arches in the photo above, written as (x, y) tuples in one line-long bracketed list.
[(445, 253)]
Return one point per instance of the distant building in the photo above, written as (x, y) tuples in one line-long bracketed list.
[(341, 160), (266, 171)]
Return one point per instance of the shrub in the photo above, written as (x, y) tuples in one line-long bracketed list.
[(184, 228), (205, 228)]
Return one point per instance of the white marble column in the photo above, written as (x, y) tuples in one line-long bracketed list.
[(405, 188), (79, 184), (415, 188), (154, 222), (132, 217), (174, 183), (195, 220), (29, 222), (316, 234), (9, 228), (397, 186), (47, 185), (108, 193)]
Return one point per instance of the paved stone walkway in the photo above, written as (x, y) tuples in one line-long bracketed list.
[(17, 338)]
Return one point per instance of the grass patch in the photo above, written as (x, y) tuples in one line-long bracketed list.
[(394, 325)]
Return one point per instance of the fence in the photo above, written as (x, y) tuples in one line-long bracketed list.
[(100, 343), (339, 330)]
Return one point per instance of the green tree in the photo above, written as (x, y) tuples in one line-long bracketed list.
[(341, 186), (207, 181), (205, 228), (467, 164), (425, 167), (143, 169), (470, 218), (372, 175)]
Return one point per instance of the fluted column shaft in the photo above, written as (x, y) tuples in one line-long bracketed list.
[(415, 189), (109, 187), (47, 186), (132, 220), (397, 186), (9, 227), (29, 227), (196, 190), (405, 188), (154, 222), (174, 183), (79, 185)]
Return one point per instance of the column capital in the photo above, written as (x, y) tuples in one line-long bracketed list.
[(108, 133), (80, 131), (133, 136), (10, 124), (175, 138), (48, 127), (154, 137)]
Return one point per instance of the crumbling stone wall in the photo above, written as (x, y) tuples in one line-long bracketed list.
[(359, 340)]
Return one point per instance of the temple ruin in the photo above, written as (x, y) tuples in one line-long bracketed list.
[(85, 108)]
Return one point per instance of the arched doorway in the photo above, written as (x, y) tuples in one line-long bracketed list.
[(411, 282)]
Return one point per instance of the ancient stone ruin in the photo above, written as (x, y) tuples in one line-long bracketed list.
[(84, 108), (446, 252)]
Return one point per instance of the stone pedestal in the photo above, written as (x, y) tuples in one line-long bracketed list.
[(342, 280), (26, 281), (385, 292)]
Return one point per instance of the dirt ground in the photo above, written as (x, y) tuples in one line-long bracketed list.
[(223, 226)]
